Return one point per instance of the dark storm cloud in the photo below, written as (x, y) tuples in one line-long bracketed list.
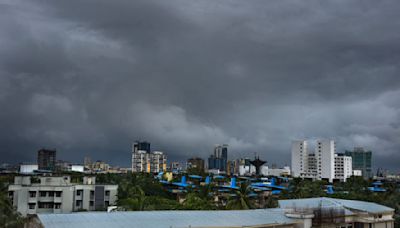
[(90, 77)]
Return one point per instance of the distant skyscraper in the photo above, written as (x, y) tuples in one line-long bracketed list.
[(362, 160), (219, 159), (141, 145), (145, 161), (46, 159)]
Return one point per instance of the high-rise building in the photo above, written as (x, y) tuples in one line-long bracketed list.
[(343, 167), (158, 162), (46, 159), (325, 155), (300, 158), (218, 161), (145, 161), (221, 151), (361, 160), (141, 145), (324, 163)]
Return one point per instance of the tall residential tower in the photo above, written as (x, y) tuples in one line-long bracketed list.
[(145, 161), (324, 163)]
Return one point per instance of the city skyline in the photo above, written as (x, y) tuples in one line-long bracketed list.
[(218, 151), (186, 75)]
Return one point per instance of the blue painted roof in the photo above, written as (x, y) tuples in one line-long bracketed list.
[(153, 219), (218, 177), (195, 176)]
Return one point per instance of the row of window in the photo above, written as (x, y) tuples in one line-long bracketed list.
[(80, 192), (32, 194), (78, 203), (45, 205)]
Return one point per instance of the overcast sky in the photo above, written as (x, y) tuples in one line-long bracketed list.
[(90, 77)]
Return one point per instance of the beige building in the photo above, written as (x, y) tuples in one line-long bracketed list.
[(331, 212), (31, 195)]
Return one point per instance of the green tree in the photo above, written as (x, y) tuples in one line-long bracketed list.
[(194, 202), (9, 217), (134, 199), (240, 201)]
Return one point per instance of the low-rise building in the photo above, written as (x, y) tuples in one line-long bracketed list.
[(279, 172), (331, 212), (33, 195), (298, 213), (28, 168), (195, 163)]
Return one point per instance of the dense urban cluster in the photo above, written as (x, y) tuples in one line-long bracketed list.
[(324, 176)]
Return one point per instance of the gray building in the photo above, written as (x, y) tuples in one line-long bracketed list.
[(219, 159), (59, 195), (362, 160), (46, 159)]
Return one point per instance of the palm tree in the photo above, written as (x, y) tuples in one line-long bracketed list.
[(241, 201), (131, 197)]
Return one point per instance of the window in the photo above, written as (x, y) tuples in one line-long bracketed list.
[(46, 205), (51, 194), (58, 194), (57, 205), (32, 205), (10, 194), (79, 192), (106, 203), (32, 194), (78, 203), (91, 203), (107, 193), (42, 194)]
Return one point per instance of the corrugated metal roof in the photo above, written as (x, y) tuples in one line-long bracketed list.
[(332, 202), (170, 219)]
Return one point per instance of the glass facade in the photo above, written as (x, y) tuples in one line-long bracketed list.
[(362, 160)]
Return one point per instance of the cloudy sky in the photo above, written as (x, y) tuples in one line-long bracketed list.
[(90, 77)]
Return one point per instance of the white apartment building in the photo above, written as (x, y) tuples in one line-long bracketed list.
[(140, 161), (299, 158), (343, 167), (158, 162), (324, 163), (58, 195), (153, 162)]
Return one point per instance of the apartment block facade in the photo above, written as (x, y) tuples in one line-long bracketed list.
[(59, 195), (324, 163), (145, 161)]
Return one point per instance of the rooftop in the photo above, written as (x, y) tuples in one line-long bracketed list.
[(326, 202), (152, 219)]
